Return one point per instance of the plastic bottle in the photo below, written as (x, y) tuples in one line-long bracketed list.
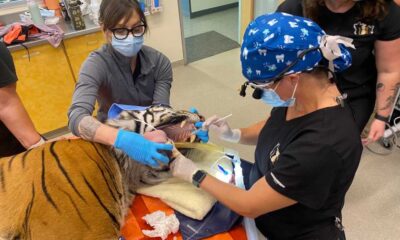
[(35, 12)]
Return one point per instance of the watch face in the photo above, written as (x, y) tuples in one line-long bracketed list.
[(198, 177)]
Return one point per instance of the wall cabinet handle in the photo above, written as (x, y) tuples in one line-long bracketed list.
[(32, 54)]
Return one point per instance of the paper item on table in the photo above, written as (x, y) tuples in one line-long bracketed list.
[(163, 225)]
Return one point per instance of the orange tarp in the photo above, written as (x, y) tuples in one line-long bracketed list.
[(143, 205)]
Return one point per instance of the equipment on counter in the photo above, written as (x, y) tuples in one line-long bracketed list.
[(53, 5), (150, 6), (35, 12), (74, 10), (64, 11)]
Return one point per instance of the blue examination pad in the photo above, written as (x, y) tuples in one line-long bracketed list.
[(116, 109)]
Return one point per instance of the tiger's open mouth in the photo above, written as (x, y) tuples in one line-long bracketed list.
[(177, 124), (181, 132), (181, 129)]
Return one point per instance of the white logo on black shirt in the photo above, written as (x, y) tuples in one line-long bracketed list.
[(361, 29), (277, 181), (274, 154)]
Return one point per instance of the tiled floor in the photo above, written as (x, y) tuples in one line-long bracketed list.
[(372, 208)]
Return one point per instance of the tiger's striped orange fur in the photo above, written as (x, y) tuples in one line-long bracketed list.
[(71, 189)]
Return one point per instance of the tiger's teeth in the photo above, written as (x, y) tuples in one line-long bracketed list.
[(192, 138), (183, 123)]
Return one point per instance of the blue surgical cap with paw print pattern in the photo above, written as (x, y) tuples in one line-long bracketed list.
[(273, 42)]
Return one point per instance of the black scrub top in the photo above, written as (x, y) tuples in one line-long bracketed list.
[(360, 79), (9, 145), (312, 160)]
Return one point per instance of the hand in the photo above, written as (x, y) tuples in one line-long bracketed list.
[(222, 128), (376, 131), (201, 133), (140, 149), (183, 167), (193, 110)]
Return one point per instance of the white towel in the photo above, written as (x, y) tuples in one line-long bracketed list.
[(184, 197)]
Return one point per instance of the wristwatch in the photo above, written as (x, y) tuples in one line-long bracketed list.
[(198, 177), (382, 118)]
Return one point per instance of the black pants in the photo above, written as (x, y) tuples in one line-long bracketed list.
[(362, 109), (361, 99), (9, 145)]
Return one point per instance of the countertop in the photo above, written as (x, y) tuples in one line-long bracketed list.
[(69, 32)]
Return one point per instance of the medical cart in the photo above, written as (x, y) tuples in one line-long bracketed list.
[(394, 124)]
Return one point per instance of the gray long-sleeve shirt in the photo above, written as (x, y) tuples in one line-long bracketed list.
[(106, 76)]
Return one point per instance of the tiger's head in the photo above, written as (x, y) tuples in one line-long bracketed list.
[(177, 124)]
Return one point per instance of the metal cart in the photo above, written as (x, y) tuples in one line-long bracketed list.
[(394, 124)]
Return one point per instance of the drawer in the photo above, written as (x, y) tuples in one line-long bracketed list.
[(45, 85), (84, 44)]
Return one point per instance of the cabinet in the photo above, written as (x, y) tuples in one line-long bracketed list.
[(78, 49), (45, 85)]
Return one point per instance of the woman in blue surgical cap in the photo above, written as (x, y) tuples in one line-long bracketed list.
[(308, 149)]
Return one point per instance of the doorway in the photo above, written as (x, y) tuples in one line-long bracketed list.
[(209, 27)]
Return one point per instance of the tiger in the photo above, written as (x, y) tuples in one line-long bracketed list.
[(77, 189)]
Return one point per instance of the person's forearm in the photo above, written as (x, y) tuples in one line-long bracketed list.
[(93, 130), (233, 197), (250, 134), (16, 119), (386, 92)]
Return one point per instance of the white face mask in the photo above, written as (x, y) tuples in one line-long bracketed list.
[(128, 47), (270, 97)]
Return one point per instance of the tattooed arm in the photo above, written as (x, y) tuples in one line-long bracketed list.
[(388, 65), (93, 130), (80, 121), (387, 54)]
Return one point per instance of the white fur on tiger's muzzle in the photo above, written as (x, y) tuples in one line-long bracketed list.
[(178, 125)]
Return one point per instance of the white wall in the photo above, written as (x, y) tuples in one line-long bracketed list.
[(165, 31), (199, 5)]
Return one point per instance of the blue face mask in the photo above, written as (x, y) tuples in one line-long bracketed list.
[(128, 47), (270, 97)]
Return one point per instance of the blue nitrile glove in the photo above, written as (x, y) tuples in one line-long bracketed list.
[(116, 109), (140, 149), (201, 133), (193, 110)]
